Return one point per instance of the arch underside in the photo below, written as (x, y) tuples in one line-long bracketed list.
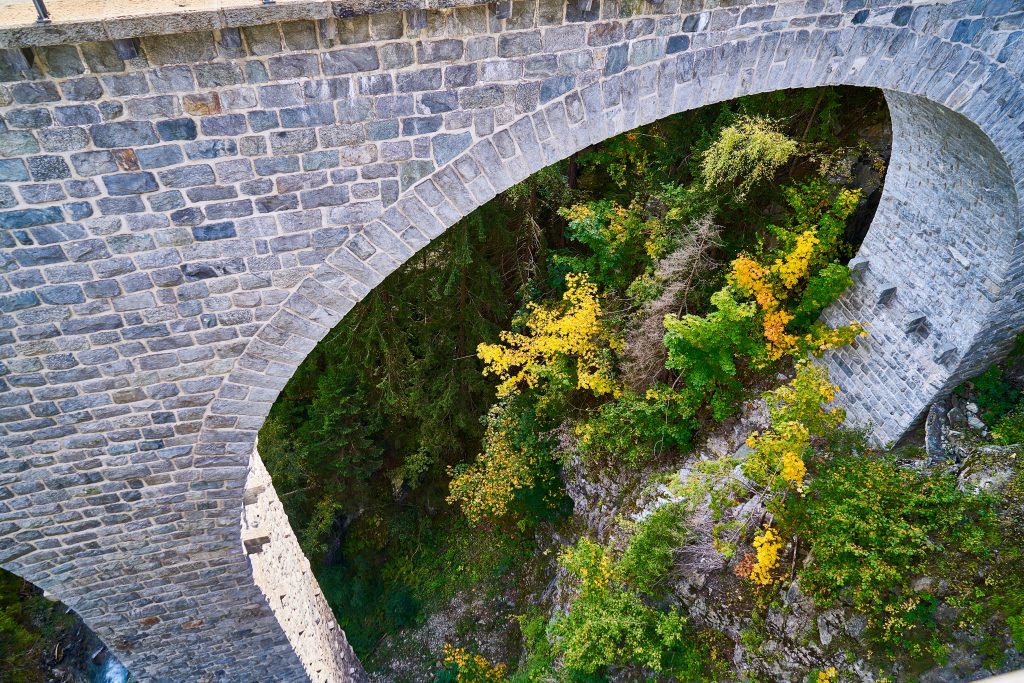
[(939, 288)]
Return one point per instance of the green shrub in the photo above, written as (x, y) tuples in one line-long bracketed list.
[(1009, 431), (705, 349), (994, 395), (873, 527), (634, 429), (614, 236), (647, 561)]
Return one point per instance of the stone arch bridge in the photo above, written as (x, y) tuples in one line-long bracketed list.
[(190, 200)]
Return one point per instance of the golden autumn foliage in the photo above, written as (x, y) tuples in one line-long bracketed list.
[(487, 487), (570, 329), (776, 288), (473, 668), (799, 410), (768, 544), (829, 675)]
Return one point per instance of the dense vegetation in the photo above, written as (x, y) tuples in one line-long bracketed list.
[(411, 475)]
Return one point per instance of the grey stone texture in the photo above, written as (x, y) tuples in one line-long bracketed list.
[(183, 218)]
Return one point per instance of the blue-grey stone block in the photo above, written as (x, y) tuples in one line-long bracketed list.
[(82, 89), (901, 17), (176, 129), (235, 209), (294, 66), (110, 110), (94, 324), (117, 206), (677, 44), (262, 120), (28, 118), (438, 102), (62, 295), (13, 170), (87, 250), (218, 74), (280, 202), (421, 124), (81, 189), (38, 256), (191, 215), (78, 210), (324, 196), (350, 60), (188, 176), (18, 301), (158, 157), (124, 85), (227, 124), (48, 167), (123, 134), (35, 92), (460, 75), (211, 193), (166, 201), (256, 187), (101, 289), (27, 218), (211, 149), (63, 139), (42, 193), (307, 116), (77, 115), (424, 79), (214, 231), (17, 143), (7, 201), (172, 79), (447, 146), (383, 130), (550, 88), (130, 183)]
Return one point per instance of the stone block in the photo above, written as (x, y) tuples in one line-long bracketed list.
[(130, 183), (350, 60), (123, 134)]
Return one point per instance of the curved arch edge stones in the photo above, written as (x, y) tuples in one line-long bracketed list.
[(185, 217)]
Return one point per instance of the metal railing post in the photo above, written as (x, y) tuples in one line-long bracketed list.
[(44, 15)]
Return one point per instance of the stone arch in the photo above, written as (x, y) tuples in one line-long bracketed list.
[(141, 506), (946, 166)]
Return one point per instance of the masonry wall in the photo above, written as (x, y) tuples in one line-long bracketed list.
[(183, 217)]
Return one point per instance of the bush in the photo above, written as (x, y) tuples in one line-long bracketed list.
[(609, 625), (463, 667), (1009, 431), (746, 153), (704, 349), (634, 429), (516, 459), (570, 330), (873, 527), (615, 237), (994, 395), (648, 560), (798, 411)]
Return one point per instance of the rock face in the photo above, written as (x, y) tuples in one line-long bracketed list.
[(183, 217), (795, 638)]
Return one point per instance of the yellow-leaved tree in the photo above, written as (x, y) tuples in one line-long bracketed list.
[(566, 336)]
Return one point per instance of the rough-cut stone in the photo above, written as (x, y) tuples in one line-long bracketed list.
[(144, 184)]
